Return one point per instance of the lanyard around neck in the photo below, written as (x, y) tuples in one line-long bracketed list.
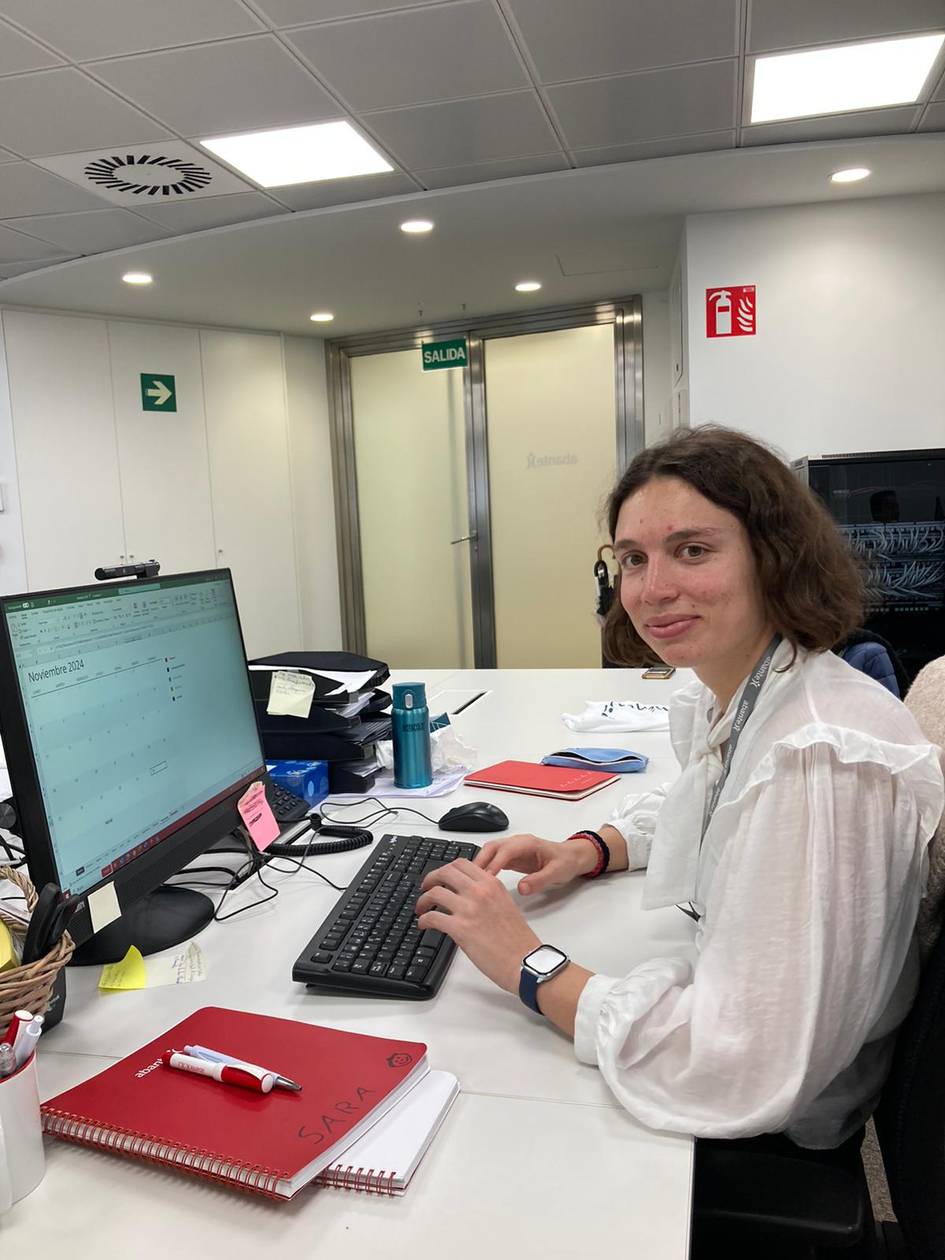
[(746, 706)]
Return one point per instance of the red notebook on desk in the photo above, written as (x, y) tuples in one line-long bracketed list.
[(537, 780), (272, 1143)]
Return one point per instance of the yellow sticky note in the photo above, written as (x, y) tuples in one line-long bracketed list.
[(128, 974)]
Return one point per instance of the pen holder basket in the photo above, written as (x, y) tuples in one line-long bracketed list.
[(31, 987)]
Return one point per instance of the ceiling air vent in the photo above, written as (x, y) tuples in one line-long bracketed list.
[(146, 176), (128, 176)]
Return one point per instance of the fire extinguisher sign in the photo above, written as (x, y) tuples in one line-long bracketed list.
[(731, 311)]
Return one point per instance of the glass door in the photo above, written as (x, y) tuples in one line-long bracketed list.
[(469, 500), (413, 519)]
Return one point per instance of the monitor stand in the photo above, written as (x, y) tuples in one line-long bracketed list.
[(167, 916)]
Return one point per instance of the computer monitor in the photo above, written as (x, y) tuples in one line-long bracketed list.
[(130, 734)]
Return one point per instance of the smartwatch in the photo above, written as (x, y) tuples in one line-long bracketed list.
[(537, 967)]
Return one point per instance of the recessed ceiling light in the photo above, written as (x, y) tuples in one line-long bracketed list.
[(849, 76), (321, 317), (850, 175), (138, 277), (528, 286), (415, 227), (299, 155)]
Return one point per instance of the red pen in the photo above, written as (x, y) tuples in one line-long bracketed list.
[(248, 1078), (19, 1020)]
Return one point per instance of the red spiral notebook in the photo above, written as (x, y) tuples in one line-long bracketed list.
[(537, 780), (271, 1143)]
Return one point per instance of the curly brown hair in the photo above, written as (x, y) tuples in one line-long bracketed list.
[(811, 581)]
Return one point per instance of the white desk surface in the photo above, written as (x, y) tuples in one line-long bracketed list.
[(536, 1153)]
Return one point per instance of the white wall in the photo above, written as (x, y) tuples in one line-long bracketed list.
[(313, 492), (851, 324), (87, 477)]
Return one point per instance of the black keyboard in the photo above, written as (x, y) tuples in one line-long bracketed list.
[(370, 944), (286, 806)]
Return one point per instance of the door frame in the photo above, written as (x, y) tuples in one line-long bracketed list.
[(625, 314)]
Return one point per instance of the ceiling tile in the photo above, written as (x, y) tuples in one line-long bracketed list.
[(25, 189), (414, 56), (482, 172), (6, 156), (711, 142), (775, 24), (605, 37), (106, 28), (459, 133), (933, 119), (15, 247), (342, 192), (874, 122), (59, 111), (93, 231), (210, 212), (938, 93), (218, 89), (646, 106), (9, 270), (170, 170), (19, 53), (297, 12)]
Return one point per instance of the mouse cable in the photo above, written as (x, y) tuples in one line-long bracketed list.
[(383, 811)]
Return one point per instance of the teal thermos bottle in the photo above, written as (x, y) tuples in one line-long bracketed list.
[(410, 723)]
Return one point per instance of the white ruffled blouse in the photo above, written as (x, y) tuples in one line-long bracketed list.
[(807, 882)]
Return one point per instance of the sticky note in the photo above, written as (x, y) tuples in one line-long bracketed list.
[(290, 693), (130, 973), (184, 967), (103, 906), (258, 817)]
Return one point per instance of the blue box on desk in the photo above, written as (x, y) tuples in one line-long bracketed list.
[(308, 779)]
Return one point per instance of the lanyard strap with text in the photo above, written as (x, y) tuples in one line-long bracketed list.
[(746, 706)]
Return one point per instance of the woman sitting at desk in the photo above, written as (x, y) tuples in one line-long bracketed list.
[(795, 835)]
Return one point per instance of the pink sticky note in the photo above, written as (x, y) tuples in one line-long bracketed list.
[(258, 816)]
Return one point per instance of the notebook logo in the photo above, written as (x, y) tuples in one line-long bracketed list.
[(399, 1060), (150, 1068)]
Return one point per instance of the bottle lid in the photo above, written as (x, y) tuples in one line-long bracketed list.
[(411, 695)]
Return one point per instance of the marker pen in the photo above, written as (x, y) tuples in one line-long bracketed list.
[(248, 1078), (27, 1041)]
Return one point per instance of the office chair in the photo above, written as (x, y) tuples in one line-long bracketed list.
[(794, 1207)]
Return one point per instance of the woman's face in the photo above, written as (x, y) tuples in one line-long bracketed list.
[(689, 581)]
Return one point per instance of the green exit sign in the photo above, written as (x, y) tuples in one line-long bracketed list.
[(444, 354), (158, 392)]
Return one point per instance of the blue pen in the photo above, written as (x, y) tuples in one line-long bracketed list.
[(214, 1056)]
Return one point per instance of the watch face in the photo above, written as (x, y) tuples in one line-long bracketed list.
[(544, 959)]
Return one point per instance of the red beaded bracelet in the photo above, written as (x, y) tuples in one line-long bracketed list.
[(603, 853)]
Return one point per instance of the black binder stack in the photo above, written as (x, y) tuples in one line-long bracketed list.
[(343, 724)]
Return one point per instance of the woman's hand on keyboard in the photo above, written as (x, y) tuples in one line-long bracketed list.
[(545, 863)]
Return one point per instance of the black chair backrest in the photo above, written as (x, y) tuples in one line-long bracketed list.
[(910, 1120)]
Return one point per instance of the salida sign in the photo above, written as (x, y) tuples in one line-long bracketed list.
[(731, 311), (435, 355)]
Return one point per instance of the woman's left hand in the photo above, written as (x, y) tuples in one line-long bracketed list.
[(478, 912)]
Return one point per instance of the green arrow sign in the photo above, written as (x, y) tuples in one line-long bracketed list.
[(443, 354), (158, 393)]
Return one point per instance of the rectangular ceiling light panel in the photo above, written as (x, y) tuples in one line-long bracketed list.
[(299, 155), (845, 77)]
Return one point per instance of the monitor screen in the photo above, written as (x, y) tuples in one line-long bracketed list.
[(128, 724)]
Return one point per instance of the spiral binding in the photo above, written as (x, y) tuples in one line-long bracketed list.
[(366, 1180), (85, 1132)]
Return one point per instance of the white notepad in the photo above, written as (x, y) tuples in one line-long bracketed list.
[(385, 1158)]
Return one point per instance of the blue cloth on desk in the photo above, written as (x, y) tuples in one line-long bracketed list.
[(616, 760)]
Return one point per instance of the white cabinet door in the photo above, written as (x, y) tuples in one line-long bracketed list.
[(165, 473), (250, 484), (64, 425)]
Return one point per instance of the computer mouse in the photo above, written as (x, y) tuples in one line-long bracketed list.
[(474, 816)]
